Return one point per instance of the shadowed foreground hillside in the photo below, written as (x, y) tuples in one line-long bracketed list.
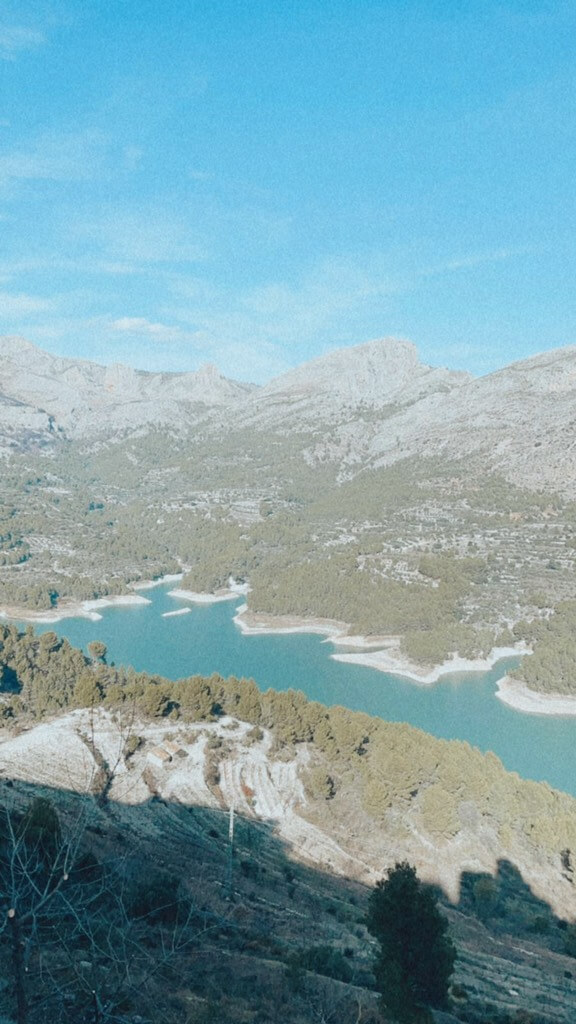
[(346, 786), (158, 920), (145, 909)]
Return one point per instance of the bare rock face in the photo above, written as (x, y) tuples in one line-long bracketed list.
[(377, 375), (83, 398), (21, 423), (520, 421), (369, 405), (379, 405)]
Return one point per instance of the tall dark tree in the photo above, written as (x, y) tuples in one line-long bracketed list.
[(416, 957)]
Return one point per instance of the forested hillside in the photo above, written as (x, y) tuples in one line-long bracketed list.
[(396, 777), (148, 904), (316, 494)]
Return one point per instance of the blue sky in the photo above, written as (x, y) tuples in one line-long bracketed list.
[(253, 184)]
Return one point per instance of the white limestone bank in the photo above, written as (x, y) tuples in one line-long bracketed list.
[(394, 663), (73, 610), (381, 653), (150, 584), (198, 598), (253, 623), (520, 697), (233, 591), (86, 609)]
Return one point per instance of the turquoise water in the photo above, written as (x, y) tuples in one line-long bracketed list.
[(460, 706)]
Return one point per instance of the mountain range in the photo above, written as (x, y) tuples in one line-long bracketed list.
[(369, 405)]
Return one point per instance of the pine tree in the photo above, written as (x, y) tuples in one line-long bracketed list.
[(416, 957)]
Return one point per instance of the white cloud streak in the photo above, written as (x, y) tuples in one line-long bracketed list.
[(250, 333), (282, 315), (139, 325), (472, 260), (15, 39), (22, 305), (64, 157), (127, 241)]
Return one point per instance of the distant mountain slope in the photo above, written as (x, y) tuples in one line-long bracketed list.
[(366, 406), (366, 378), (376, 404), (82, 398), (520, 421), (363, 486)]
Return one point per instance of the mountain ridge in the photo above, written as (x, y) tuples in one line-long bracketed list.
[(367, 406), (82, 397)]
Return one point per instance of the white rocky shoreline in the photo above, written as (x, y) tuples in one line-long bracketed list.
[(394, 662), (381, 653), (233, 591), (72, 609), (520, 697)]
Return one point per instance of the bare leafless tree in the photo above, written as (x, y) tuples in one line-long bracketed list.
[(80, 936)]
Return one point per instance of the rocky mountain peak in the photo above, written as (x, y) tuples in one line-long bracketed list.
[(12, 345), (208, 371), (373, 373), (83, 398)]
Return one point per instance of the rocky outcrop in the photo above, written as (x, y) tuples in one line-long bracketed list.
[(520, 421)]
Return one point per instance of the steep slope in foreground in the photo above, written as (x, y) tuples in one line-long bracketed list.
[(137, 756), (264, 913)]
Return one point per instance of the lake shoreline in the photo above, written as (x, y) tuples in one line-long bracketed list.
[(381, 653), (151, 584), (394, 663), (71, 610), (198, 598), (462, 706), (254, 623), (517, 695)]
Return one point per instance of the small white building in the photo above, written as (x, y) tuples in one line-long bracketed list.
[(159, 757), (172, 748)]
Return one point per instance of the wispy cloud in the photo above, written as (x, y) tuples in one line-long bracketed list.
[(124, 240), (15, 39), (472, 260), (286, 314), (167, 319), (62, 157), (132, 157), (478, 259), (140, 325), (22, 305)]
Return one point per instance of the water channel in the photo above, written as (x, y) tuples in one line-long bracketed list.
[(206, 640)]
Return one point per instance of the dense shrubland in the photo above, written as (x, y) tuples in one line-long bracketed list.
[(425, 549), (552, 667)]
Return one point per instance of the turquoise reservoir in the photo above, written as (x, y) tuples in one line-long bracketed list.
[(460, 706)]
